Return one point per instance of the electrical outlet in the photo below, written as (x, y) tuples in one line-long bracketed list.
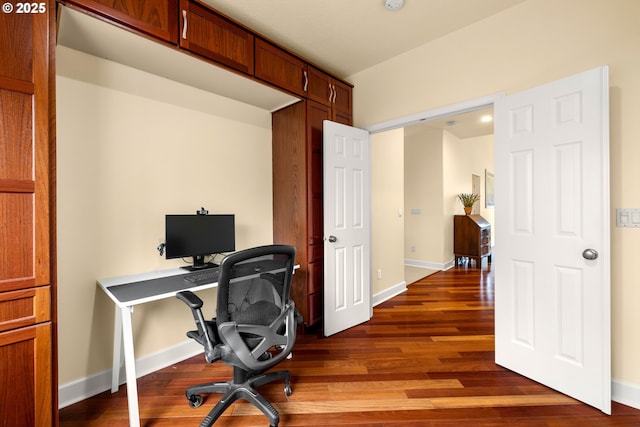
[(413, 248), (379, 274)]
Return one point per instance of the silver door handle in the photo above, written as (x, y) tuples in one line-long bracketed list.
[(332, 239), (590, 254)]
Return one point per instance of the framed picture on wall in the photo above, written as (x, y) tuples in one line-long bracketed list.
[(475, 189), (489, 189)]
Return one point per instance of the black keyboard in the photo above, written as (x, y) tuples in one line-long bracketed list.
[(209, 275)]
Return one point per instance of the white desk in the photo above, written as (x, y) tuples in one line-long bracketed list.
[(127, 292)]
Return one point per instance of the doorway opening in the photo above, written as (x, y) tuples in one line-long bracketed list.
[(442, 149)]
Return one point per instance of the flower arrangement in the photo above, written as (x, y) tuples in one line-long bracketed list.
[(468, 199)]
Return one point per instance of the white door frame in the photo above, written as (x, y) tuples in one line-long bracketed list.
[(436, 113), (432, 114)]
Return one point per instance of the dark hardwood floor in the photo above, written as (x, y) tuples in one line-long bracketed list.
[(424, 359)]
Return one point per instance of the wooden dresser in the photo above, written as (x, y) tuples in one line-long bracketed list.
[(471, 238)]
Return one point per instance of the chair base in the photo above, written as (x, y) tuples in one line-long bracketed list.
[(243, 386)]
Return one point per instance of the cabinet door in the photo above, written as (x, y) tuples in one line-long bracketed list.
[(25, 307), (215, 37), (319, 88), (158, 18), (342, 97), (343, 118), (25, 108), (25, 376), (332, 92), (280, 68)]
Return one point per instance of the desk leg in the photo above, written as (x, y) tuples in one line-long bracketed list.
[(117, 351), (130, 366)]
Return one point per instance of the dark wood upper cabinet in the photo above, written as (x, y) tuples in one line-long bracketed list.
[(331, 92), (342, 97), (212, 36), (280, 68), (193, 26), (319, 86), (156, 18)]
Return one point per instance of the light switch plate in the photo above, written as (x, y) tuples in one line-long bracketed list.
[(627, 217)]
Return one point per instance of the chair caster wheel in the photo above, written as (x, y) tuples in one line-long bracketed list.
[(287, 390), (195, 400)]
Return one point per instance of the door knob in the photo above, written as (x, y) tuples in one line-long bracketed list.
[(590, 254), (333, 239)]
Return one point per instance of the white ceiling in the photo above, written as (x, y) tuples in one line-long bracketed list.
[(464, 125), (348, 36)]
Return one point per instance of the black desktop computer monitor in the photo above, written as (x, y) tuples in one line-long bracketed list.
[(199, 236)]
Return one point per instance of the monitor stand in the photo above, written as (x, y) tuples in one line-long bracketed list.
[(199, 264)]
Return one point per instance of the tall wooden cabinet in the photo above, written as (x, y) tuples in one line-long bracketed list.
[(297, 196), (472, 238), (28, 386)]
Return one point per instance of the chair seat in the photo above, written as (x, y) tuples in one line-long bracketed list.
[(212, 330)]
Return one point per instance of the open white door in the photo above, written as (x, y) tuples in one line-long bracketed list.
[(347, 213), (552, 258)]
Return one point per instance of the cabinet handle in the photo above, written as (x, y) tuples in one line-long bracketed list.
[(330, 93), (306, 80), (184, 24), (335, 94)]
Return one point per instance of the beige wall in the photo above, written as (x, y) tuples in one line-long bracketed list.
[(424, 236), (387, 203), (132, 147), (438, 166), (462, 158), (533, 43)]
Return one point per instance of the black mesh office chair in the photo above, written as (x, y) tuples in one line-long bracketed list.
[(254, 328)]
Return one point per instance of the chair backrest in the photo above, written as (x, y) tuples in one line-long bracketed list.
[(255, 315)]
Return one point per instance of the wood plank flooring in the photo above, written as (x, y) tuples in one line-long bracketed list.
[(424, 359)]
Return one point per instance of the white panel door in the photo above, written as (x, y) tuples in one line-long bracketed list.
[(347, 213), (552, 259)]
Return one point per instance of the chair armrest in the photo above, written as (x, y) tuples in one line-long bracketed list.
[(190, 299), (203, 335)]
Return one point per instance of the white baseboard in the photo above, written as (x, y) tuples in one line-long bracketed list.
[(83, 388), (427, 264), (388, 293), (625, 393)]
